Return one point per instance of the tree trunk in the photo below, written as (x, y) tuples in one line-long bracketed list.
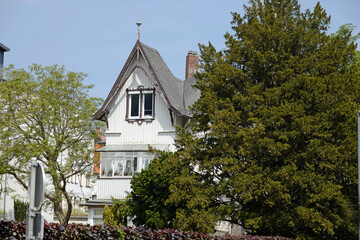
[(58, 209)]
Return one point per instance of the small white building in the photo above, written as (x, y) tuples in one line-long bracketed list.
[(142, 109)]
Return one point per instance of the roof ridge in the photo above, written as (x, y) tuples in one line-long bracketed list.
[(171, 86), (147, 46)]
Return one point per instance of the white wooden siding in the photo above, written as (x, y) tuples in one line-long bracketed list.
[(116, 188), (123, 132)]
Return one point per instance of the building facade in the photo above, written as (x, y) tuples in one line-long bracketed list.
[(142, 109), (3, 49)]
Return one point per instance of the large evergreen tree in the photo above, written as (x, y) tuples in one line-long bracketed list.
[(153, 205), (149, 193), (273, 135)]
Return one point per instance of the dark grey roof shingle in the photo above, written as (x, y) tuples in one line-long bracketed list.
[(172, 88)]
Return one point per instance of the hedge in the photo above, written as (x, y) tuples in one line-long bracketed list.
[(17, 230)]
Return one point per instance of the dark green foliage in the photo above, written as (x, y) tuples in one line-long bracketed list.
[(150, 191), (274, 132), (153, 206), (20, 210), (54, 231)]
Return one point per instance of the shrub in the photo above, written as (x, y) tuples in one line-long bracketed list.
[(20, 209), (117, 214), (52, 231)]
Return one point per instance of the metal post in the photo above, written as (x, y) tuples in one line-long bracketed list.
[(31, 196), (35, 219)]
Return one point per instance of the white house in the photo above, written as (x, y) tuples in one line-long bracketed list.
[(141, 110)]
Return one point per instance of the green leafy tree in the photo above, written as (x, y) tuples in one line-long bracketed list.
[(46, 113), (117, 214), (150, 191), (273, 135), (346, 31)]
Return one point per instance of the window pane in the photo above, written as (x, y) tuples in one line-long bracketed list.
[(128, 168), (135, 164), (124, 164), (106, 168), (148, 104), (118, 168), (147, 159), (98, 212), (134, 98)]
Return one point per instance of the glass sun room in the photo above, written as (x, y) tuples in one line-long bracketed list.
[(123, 164)]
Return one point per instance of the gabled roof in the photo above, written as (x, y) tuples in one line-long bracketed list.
[(4, 48), (172, 86), (169, 87)]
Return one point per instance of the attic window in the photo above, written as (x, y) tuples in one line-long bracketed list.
[(148, 104), (140, 104), (134, 105)]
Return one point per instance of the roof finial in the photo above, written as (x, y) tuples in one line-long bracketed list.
[(138, 24)]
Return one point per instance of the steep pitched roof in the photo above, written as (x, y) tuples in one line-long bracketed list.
[(4, 48), (170, 87)]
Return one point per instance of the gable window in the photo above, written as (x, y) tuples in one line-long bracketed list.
[(148, 104), (135, 105), (140, 104)]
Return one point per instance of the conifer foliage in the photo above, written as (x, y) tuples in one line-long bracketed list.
[(150, 191), (273, 136)]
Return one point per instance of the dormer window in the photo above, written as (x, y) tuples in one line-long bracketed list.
[(140, 104)]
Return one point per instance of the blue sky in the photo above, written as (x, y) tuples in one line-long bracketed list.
[(96, 37)]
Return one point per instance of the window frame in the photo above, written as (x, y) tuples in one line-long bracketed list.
[(143, 103), (137, 160), (130, 103), (141, 91)]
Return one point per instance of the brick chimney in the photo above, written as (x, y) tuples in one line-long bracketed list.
[(192, 64)]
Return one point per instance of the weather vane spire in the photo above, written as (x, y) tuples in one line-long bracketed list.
[(138, 23)]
